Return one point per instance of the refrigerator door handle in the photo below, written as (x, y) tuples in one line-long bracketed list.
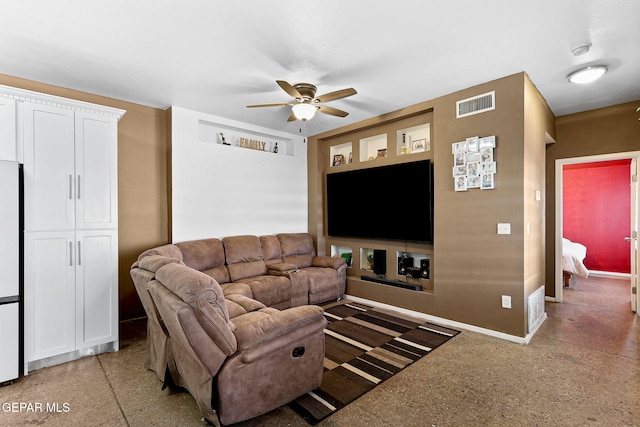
[(70, 254), (79, 252)]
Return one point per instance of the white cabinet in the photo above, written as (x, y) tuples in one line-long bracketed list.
[(70, 226), (70, 169), (49, 294), (96, 278), (8, 141), (48, 168), (70, 293)]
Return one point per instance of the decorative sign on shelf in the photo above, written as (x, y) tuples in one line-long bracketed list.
[(473, 164), (253, 144)]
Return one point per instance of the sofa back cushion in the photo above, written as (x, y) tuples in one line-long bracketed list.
[(271, 249), (207, 256), (170, 251), (297, 248), (244, 257), (153, 262), (204, 295)]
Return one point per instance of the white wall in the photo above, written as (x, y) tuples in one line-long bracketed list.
[(220, 190)]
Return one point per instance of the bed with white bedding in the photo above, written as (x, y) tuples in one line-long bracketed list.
[(573, 255)]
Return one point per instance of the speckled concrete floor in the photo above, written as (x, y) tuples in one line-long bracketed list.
[(581, 368)]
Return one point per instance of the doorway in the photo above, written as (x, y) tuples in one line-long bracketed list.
[(633, 225)]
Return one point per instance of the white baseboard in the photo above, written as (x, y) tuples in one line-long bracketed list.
[(609, 274), (452, 323)]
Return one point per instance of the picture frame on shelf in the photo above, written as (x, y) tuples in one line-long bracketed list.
[(419, 145), (338, 159)]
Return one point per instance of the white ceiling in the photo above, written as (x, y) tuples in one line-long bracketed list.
[(217, 57)]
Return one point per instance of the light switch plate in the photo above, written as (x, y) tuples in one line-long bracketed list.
[(504, 228), (506, 301)]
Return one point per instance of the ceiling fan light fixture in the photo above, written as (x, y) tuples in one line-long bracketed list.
[(587, 74), (304, 111)]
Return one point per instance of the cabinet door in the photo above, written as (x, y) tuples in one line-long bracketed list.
[(48, 168), (96, 287), (8, 142), (96, 171), (49, 294)]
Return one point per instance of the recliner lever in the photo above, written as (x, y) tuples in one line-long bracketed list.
[(297, 352)]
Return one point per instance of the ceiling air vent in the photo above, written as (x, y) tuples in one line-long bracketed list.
[(475, 105)]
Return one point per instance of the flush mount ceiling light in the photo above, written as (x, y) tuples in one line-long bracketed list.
[(304, 111), (587, 74)]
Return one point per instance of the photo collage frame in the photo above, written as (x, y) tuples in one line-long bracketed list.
[(473, 163)]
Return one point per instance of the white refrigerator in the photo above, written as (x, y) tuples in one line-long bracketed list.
[(10, 276)]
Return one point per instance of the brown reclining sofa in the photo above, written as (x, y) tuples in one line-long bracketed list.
[(233, 320)]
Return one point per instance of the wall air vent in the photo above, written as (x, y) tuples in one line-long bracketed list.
[(475, 105)]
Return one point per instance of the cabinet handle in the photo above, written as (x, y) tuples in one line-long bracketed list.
[(78, 187), (70, 187), (79, 253), (70, 254)]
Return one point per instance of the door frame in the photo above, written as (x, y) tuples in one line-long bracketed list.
[(560, 163)]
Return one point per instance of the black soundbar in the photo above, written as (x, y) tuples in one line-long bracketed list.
[(395, 283)]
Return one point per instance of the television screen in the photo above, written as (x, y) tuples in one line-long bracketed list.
[(388, 202)]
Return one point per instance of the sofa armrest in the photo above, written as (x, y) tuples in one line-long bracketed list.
[(281, 267), (276, 331), (328, 261)]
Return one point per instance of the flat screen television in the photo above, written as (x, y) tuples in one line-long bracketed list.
[(393, 202)]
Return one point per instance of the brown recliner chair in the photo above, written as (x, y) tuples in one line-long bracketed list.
[(237, 358)]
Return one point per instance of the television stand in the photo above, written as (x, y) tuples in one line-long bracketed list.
[(389, 282)]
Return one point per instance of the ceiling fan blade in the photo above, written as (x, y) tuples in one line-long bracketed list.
[(331, 96), (289, 89), (292, 117), (332, 111), (278, 104)]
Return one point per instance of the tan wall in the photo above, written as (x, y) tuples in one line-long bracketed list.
[(142, 181), (538, 121), (608, 130), (473, 266)]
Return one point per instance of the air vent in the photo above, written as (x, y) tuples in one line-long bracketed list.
[(475, 105)]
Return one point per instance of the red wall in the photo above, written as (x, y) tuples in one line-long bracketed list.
[(596, 209)]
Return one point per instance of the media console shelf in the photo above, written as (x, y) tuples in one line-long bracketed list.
[(358, 217), (396, 283)]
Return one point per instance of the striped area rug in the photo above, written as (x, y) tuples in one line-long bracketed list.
[(365, 346)]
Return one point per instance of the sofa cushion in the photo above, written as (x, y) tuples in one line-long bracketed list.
[(153, 262), (323, 284), (271, 249), (248, 304), (270, 290), (244, 257), (171, 251), (206, 255), (297, 248), (205, 297)]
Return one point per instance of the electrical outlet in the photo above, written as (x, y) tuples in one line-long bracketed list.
[(506, 301)]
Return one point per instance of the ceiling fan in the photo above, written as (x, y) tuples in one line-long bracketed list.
[(306, 103)]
